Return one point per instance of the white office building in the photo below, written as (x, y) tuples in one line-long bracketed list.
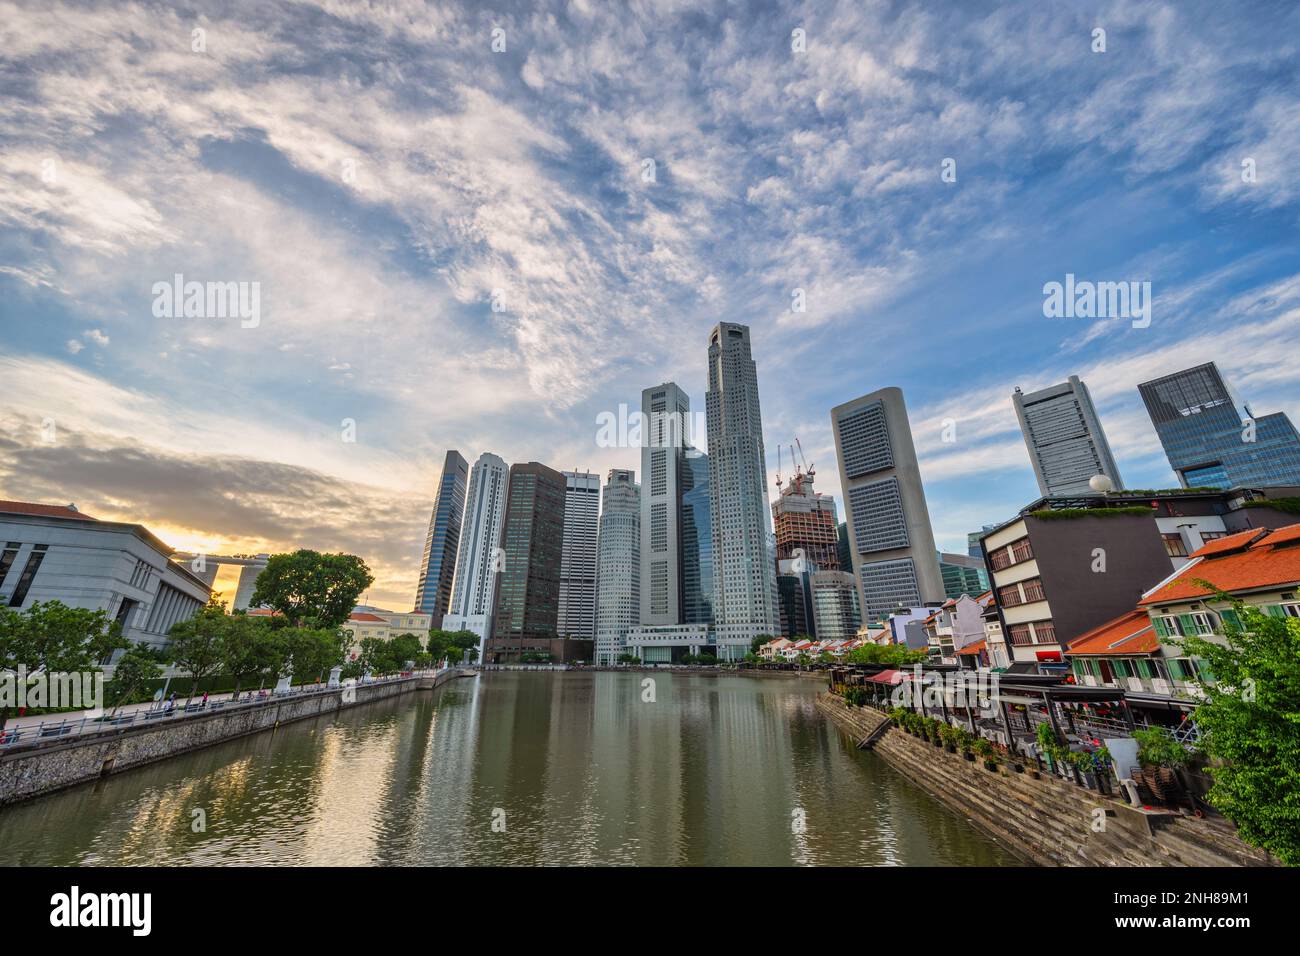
[(577, 615), (618, 565), (1063, 434), (744, 569), (55, 553), (665, 435), (478, 556)]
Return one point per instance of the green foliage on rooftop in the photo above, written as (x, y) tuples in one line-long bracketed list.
[(1066, 514), (1290, 506), (1130, 492)]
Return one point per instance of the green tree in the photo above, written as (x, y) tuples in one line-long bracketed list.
[(55, 638), (895, 655), (312, 589), (312, 650), (133, 671), (759, 641), (1250, 722), (196, 644), (403, 648), (245, 648)]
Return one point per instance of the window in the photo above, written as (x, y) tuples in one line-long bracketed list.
[(1034, 589), (1045, 632), (1021, 550), (1020, 634), (29, 573), (1122, 668), (1213, 535), (1009, 596), (1175, 547), (7, 559)]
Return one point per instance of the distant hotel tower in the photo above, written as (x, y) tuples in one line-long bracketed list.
[(744, 575), (480, 536), (438, 567), (525, 613), (1066, 443), (1213, 439), (578, 562), (892, 545), (618, 565)]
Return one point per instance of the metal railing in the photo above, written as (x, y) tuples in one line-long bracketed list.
[(71, 726)]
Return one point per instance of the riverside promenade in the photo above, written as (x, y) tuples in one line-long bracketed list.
[(34, 765)]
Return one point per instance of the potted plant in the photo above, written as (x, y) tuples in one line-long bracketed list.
[(948, 733), (1159, 754), (966, 742), (988, 753)]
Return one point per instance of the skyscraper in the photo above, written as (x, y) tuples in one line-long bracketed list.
[(438, 566), (1213, 439), (578, 563), (884, 503), (1066, 443), (526, 610), (963, 574), (480, 537), (665, 411), (618, 565), (836, 611), (697, 540), (744, 575)]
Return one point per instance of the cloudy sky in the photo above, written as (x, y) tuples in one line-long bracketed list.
[(381, 171)]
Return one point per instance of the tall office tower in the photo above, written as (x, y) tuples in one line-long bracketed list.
[(578, 563), (697, 540), (805, 522), (844, 549), (438, 567), (480, 536), (618, 565), (1066, 443), (963, 574), (526, 611), (794, 600), (665, 436), (884, 503), (1213, 439), (836, 610), (744, 572)]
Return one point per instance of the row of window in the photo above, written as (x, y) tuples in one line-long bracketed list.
[(1013, 553), (1033, 632), (1203, 623), (1024, 592), (24, 583)]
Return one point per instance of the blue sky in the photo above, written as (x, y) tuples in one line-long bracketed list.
[(379, 170)]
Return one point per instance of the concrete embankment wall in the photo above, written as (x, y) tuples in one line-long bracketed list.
[(1046, 821), (53, 765)]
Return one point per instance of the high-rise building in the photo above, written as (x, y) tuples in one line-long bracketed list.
[(525, 614), (884, 503), (744, 574), (836, 610), (697, 540), (963, 574), (844, 548), (1213, 439), (618, 565), (578, 563), (794, 599), (973, 548), (665, 435), (805, 524), (472, 589), (438, 566), (1066, 443)]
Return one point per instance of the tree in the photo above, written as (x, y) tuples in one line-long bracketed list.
[(134, 669), (759, 641), (372, 656), (312, 589), (311, 650), (1250, 722), (403, 648), (196, 643), (896, 655), (245, 648), (55, 639)]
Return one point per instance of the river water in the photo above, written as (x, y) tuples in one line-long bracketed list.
[(518, 768)]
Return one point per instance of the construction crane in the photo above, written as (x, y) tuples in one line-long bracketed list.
[(811, 470), (778, 469)]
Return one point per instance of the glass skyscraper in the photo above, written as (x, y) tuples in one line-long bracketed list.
[(697, 540), (1213, 439), (438, 564)]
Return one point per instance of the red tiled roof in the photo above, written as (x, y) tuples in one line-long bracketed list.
[(1270, 559), (367, 617), (44, 511), (973, 648), (1129, 633)]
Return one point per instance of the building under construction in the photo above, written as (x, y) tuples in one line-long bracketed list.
[(804, 520)]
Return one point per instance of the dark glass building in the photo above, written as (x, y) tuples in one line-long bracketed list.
[(697, 540), (438, 566), (527, 605), (1213, 439)]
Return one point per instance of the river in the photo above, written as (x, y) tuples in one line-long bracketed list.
[(518, 768)]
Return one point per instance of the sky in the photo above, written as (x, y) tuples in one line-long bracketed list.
[(482, 227)]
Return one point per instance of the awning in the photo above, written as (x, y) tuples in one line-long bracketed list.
[(887, 677)]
